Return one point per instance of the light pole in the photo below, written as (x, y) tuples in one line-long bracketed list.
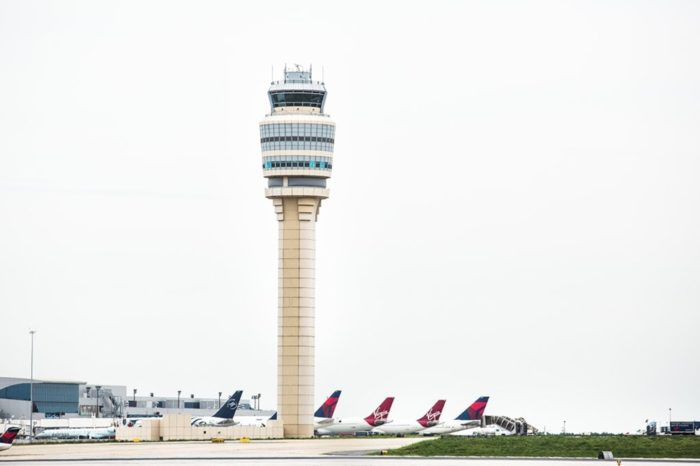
[(669, 419), (97, 401), (219, 400), (178, 398), (134, 397), (563, 429), (31, 389)]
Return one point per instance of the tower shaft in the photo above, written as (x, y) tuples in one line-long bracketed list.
[(295, 398)]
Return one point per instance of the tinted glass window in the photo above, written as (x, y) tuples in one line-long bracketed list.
[(297, 99)]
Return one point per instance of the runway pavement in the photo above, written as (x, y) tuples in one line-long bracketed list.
[(328, 452), (199, 450)]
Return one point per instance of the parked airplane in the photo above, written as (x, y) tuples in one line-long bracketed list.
[(324, 414), (470, 418), (224, 416), (431, 418), (351, 425), (8, 437), (78, 433)]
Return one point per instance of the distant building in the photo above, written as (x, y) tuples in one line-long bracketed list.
[(70, 399), (59, 398)]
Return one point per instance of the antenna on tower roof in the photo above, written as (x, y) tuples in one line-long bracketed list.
[(323, 74)]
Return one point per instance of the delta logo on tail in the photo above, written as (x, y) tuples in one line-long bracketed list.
[(475, 411), (381, 414), (327, 409), (432, 417), (8, 437)]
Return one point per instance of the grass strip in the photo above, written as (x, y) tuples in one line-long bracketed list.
[(570, 446)]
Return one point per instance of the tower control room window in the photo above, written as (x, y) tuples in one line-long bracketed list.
[(297, 99)]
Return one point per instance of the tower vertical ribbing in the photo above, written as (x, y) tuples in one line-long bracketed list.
[(297, 147)]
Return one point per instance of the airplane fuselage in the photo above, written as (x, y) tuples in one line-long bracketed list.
[(212, 421), (399, 428), (449, 427), (77, 433), (344, 426)]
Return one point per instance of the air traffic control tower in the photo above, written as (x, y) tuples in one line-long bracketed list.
[(297, 157)]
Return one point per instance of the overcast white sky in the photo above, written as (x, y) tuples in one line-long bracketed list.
[(514, 211)]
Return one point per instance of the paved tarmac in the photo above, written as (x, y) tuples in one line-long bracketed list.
[(317, 452), (200, 450)]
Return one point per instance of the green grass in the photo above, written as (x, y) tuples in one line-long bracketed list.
[(622, 446)]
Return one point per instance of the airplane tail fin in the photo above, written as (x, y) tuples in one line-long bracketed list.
[(380, 415), (433, 415), (228, 410), (273, 417), (9, 435), (475, 411), (327, 409)]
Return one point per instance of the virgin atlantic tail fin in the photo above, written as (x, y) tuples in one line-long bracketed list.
[(433, 415), (380, 415), (327, 409), (475, 411)]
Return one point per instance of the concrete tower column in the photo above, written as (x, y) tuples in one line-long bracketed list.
[(297, 225), (297, 141)]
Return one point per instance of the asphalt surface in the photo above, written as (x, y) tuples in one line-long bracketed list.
[(336, 451)]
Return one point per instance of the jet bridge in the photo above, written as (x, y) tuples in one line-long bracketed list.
[(517, 426)]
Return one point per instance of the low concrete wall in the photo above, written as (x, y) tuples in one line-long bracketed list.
[(177, 427)]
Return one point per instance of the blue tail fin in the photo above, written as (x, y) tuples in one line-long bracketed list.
[(229, 408), (475, 411), (273, 417)]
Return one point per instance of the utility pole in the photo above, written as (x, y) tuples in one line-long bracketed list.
[(31, 390), (97, 401)]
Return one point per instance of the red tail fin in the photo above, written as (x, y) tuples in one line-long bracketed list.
[(380, 415), (433, 415), (9, 435)]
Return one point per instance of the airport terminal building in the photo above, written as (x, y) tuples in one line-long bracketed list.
[(61, 399)]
